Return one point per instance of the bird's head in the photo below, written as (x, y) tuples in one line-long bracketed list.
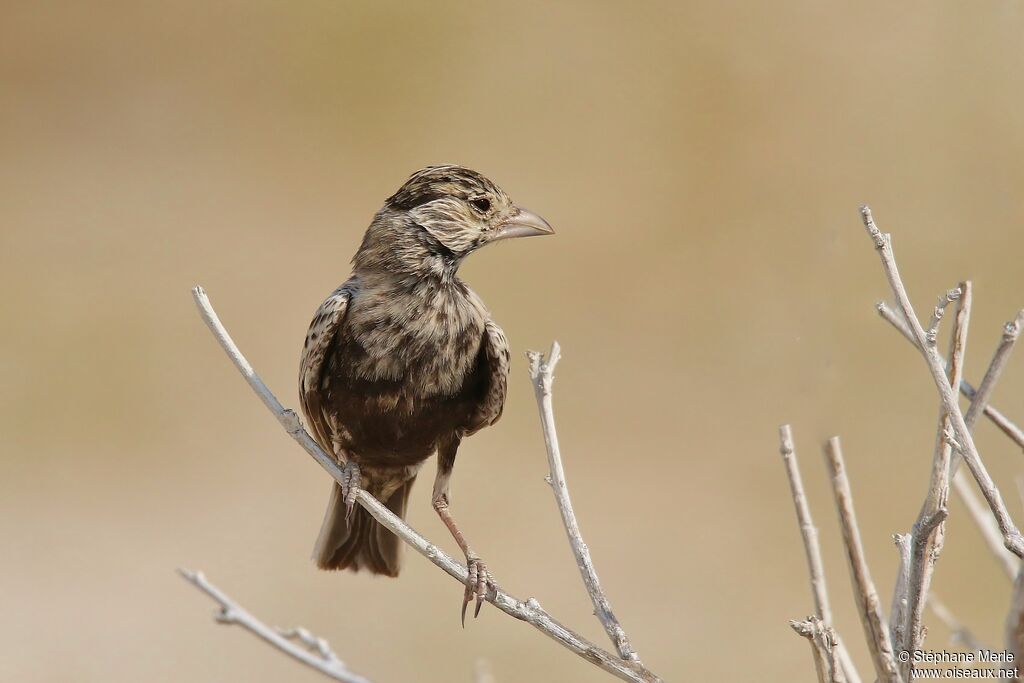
[(438, 217)]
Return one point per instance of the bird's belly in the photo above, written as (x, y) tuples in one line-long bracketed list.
[(388, 427), (387, 420)]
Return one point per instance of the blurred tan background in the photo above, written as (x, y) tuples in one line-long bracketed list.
[(702, 164)]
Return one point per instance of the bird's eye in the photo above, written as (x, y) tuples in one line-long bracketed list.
[(483, 204)]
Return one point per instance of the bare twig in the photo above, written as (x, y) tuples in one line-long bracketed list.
[(812, 549), (529, 611), (900, 606), (958, 633), (1015, 433), (883, 243), (1011, 332), (825, 647), (312, 651), (933, 325), (875, 631), (979, 512), (927, 535), (542, 372)]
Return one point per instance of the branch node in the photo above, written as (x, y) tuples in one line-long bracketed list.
[(291, 422)]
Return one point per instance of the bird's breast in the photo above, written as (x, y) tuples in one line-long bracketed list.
[(423, 343)]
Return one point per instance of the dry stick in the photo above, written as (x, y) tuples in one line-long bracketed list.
[(812, 549), (927, 535), (958, 633), (529, 611), (825, 646), (965, 441), (1015, 433), (979, 512), (898, 612), (542, 372), (314, 652), (1011, 332), (875, 631)]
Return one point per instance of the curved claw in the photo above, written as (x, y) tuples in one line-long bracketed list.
[(350, 487), (478, 580)]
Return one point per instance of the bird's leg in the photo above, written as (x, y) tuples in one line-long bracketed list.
[(351, 481), (478, 578)]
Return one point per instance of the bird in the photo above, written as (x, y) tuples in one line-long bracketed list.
[(403, 360)]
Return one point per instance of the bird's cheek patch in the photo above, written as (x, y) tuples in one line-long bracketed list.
[(457, 238)]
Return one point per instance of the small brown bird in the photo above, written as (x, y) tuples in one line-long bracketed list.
[(403, 360)]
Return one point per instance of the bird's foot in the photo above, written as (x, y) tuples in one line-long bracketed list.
[(478, 582), (350, 484)]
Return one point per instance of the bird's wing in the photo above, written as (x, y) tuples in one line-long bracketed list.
[(321, 334), (495, 358)]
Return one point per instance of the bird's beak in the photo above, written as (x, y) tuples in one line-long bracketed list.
[(522, 223)]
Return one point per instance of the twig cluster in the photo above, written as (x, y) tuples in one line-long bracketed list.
[(903, 633), (626, 665)]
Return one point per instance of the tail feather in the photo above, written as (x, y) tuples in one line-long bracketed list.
[(361, 543)]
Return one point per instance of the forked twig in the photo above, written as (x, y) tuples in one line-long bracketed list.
[(313, 652), (1015, 433), (1012, 537), (927, 535), (812, 550), (825, 646), (542, 372), (529, 611), (976, 508)]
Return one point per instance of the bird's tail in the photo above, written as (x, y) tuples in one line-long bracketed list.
[(361, 542)]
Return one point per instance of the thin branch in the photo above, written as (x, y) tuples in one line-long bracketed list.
[(1012, 537), (979, 512), (958, 633), (825, 647), (312, 651), (812, 549), (529, 611), (875, 631), (900, 604), (928, 534), (1011, 332), (1015, 433), (542, 372)]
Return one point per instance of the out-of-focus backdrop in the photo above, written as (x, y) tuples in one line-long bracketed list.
[(710, 279)]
